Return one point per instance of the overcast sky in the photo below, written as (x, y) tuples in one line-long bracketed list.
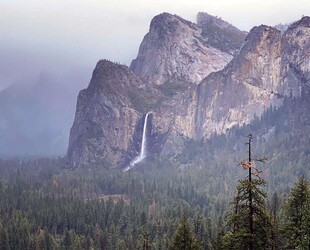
[(38, 35)]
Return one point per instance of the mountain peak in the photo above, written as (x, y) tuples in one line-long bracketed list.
[(162, 19), (102, 112), (174, 50), (114, 77), (174, 56), (304, 21), (166, 26), (258, 33), (219, 33), (204, 18)]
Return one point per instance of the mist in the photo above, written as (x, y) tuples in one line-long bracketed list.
[(49, 48), (37, 103)]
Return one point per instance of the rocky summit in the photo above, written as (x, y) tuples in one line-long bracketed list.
[(177, 50), (105, 118), (194, 80)]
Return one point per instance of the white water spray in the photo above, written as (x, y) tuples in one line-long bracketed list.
[(142, 154)]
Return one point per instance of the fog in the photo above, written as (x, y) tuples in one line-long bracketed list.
[(37, 106), (49, 48)]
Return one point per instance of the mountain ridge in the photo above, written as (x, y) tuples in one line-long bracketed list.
[(175, 50), (262, 74)]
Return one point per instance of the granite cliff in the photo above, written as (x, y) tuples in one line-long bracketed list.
[(268, 69), (105, 117), (192, 87), (246, 87), (177, 50)]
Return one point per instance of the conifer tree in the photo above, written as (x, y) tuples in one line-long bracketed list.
[(297, 209), (4, 239), (249, 225), (183, 238), (274, 210)]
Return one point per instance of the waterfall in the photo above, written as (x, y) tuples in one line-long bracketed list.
[(142, 154)]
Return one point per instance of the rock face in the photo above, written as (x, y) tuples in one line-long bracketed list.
[(296, 57), (268, 69), (110, 114), (220, 34), (247, 86), (177, 50), (165, 81), (105, 118)]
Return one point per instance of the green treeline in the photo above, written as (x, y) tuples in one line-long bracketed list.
[(43, 206)]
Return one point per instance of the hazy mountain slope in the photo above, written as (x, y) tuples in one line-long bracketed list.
[(35, 119)]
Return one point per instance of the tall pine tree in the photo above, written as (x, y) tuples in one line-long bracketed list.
[(274, 214), (238, 235), (183, 238), (4, 239), (248, 222), (297, 210)]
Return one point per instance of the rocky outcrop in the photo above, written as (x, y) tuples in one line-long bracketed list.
[(267, 69), (172, 59), (175, 118), (110, 112), (220, 34), (174, 50), (106, 117), (245, 88), (295, 53)]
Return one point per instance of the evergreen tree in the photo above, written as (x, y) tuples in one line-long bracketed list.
[(274, 214), (305, 226), (4, 239), (238, 237), (297, 209), (67, 240), (248, 221), (183, 238)]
